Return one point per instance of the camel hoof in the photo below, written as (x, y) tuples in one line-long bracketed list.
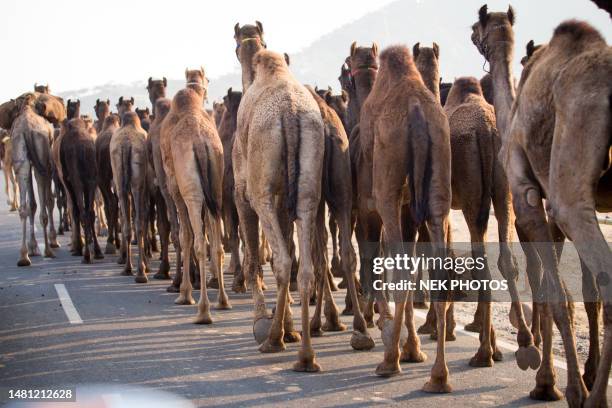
[(213, 283), (103, 232), (528, 357), (425, 328), (121, 260), (413, 356), (474, 327), (98, 255), (437, 387), (34, 252), (332, 285), (184, 300), (292, 337), (203, 318), (173, 289), (336, 270), (261, 328), (110, 249), (316, 332), (86, 260), (481, 360), (348, 311), (293, 286), (49, 253), (54, 244), (497, 355), (420, 305), (361, 341), (342, 284), (386, 334), (161, 275), (307, 366), (127, 272), (546, 393), (141, 278), (239, 287), (387, 370), (223, 305), (333, 326), (24, 262), (268, 347)]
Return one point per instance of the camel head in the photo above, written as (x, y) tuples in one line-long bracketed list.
[(269, 63), (196, 80), (218, 108), (426, 56), (364, 68), (143, 113), (232, 100), (493, 33), (111, 120), (130, 119), (73, 108), (338, 103), (41, 88), (530, 49), (156, 88), (249, 39), (102, 108), (345, 78), (396, 61), (323, 92), (88, 121), (125, 105), (462, 88)]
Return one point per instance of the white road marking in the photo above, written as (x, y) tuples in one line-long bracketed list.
[(500, 343), (67, 305)]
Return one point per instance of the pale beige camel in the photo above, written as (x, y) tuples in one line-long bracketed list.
[(7, 169), (277, 158), (192, 156)]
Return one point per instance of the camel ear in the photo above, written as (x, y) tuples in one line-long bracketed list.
[(120, 100), (132, 100), (97, 102), (415, 50), (483, 15), (202, 71), (236, 29), (186, 72), (375, 49), (147, 110), (149, 84), (510, 14), (259, 27), (530, 48), (353, 48), (287, 60), (328, 97), (329, 89), (317, 88), (344, 96), (78, 102), (165, 82), (436, 50), (229, 90), (108, 102)]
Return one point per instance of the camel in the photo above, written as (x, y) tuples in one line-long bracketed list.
[(6, 154), (124, 105), (227, 129), (44, 89), (31, 137), (192, 156), (129, 161), (78, 161), (104, 173), (421, 126), (337, 194), (145, 118), (486, 84), (277, 159), (156, 89), (568, 78), (102, 110), (444, 90), (219, 109), (426, 60), (530, 49)]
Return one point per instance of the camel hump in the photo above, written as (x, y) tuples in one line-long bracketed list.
[(419, 166), (577, 31)]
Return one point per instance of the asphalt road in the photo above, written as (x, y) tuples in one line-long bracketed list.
[(133, 335)]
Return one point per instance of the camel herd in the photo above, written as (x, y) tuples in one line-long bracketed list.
[(386, 160)]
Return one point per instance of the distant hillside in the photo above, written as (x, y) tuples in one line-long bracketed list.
[(410, 21)]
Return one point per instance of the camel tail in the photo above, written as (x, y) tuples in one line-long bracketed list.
[(487, 154), (419, 169), (205, 173), (291, 131), (328, 174), (33, 155), (126, 160)]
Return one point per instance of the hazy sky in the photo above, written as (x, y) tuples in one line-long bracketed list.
[(78, 44)]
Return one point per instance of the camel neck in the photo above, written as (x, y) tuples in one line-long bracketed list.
[(102, 115), (247, 52), (363, 86), (503, 92)]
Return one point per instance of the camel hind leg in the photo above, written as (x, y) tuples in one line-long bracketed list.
[(217, 259), (24, 178), (43, 190)]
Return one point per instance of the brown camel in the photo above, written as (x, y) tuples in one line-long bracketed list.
[(78, 161), (44, 89), (569, 82), (6, 154), (444, 90), (421, 126), (530, 49), (31, 137), (145, 118), (156, 89), (129, 161), (102, 110), (277, 159), (219, 109), (192, 156), (167, 218), (124, 105), (227, 129), (105, 181), (426, 60)]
